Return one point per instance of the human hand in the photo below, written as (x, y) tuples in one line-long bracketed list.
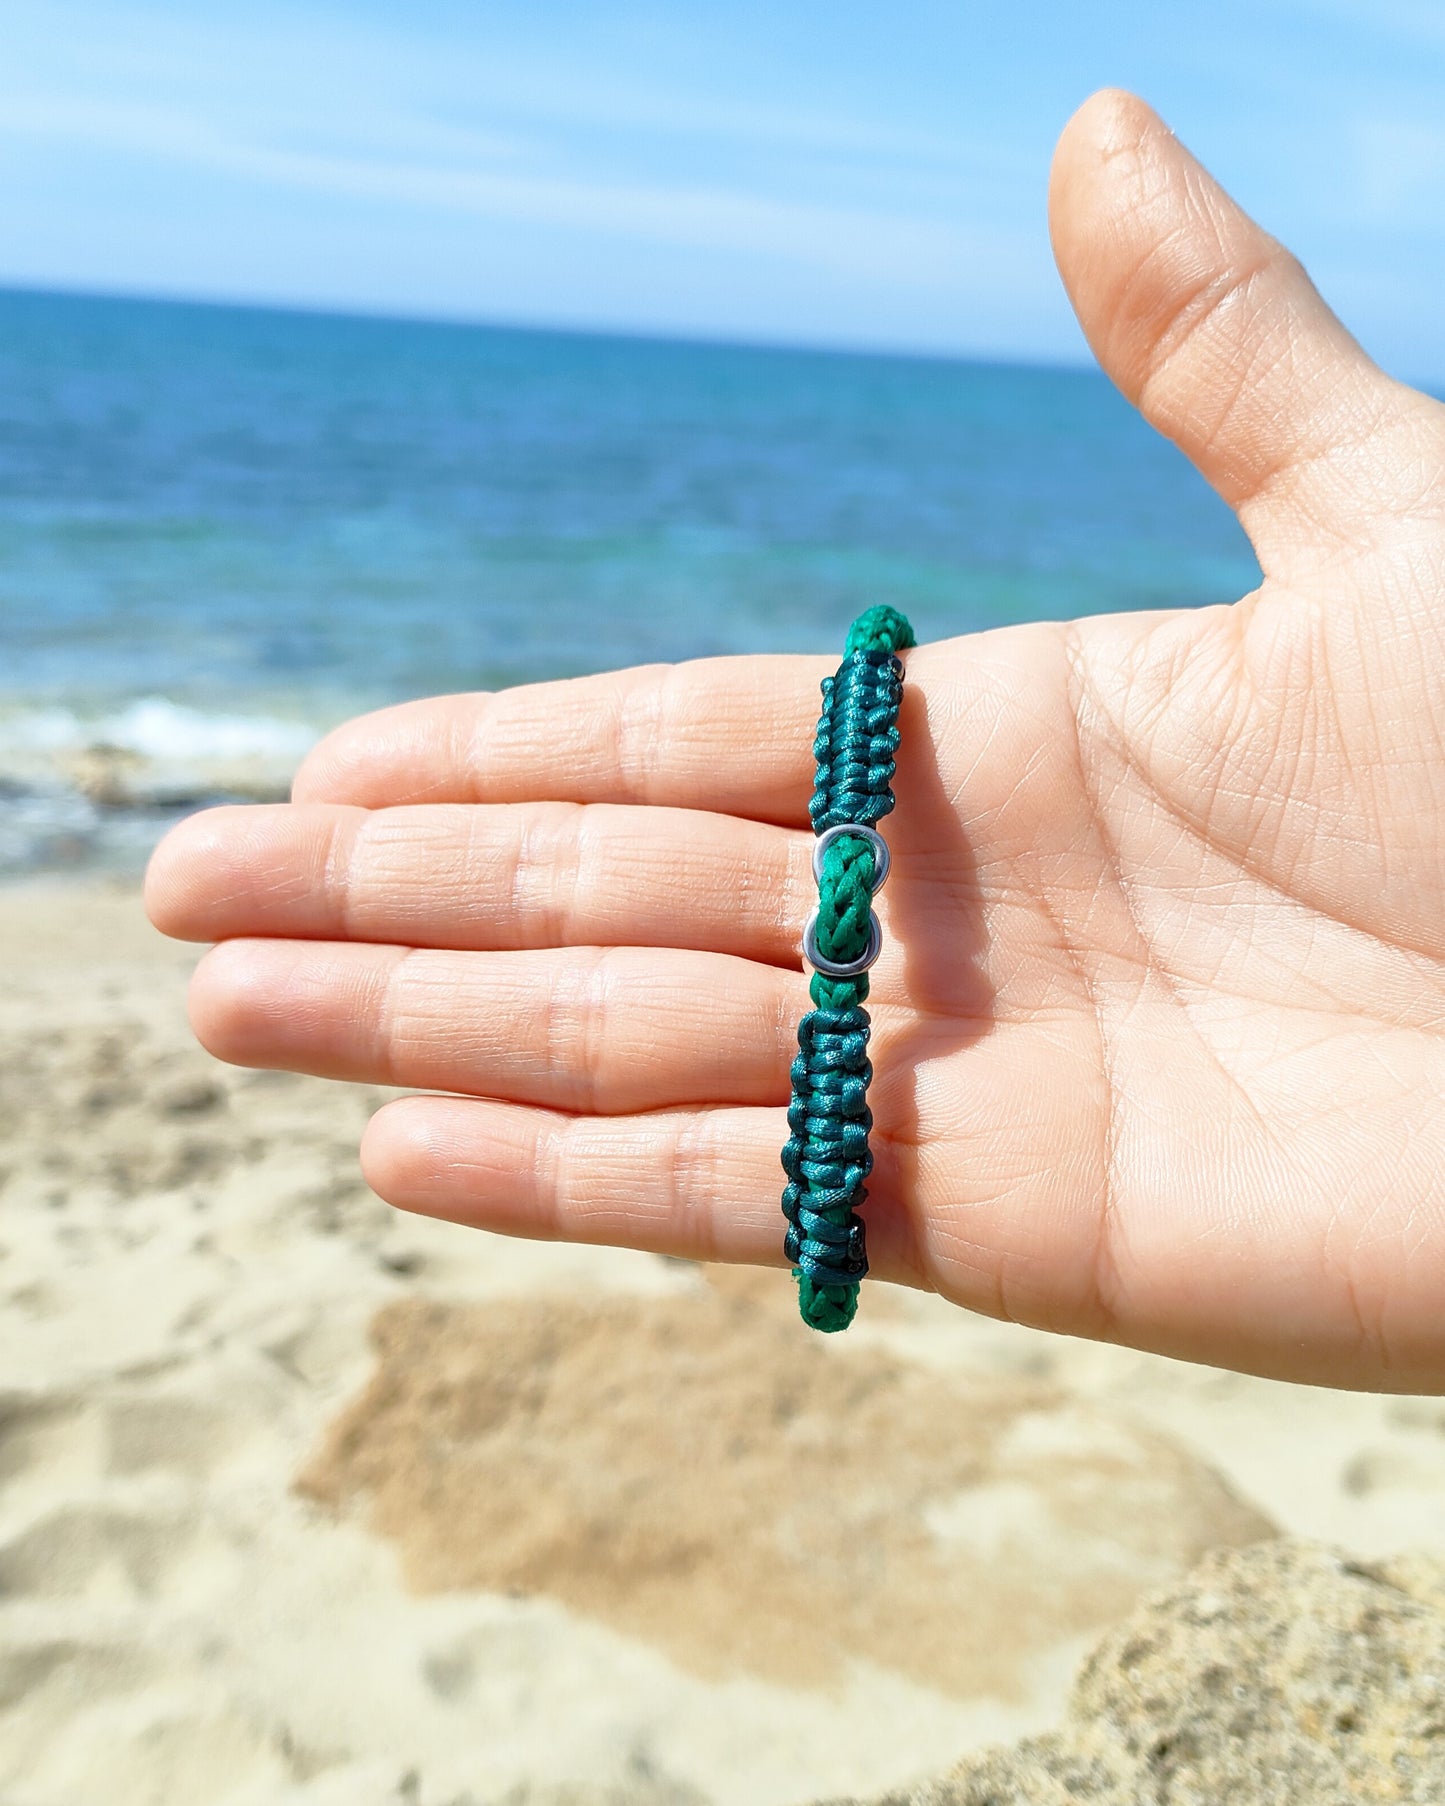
[(1159, 1026)]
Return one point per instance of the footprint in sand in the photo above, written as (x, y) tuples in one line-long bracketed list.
[(104, 1554)]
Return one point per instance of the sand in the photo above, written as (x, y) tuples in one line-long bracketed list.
[(303, 1501)]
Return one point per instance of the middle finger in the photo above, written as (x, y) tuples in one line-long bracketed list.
[(487, 876)]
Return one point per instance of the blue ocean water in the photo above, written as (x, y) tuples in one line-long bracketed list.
[(222, 529)]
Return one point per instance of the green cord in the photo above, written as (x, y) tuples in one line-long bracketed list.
[(827, 1158)]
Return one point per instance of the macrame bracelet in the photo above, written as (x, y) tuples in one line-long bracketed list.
[(827, 1158)]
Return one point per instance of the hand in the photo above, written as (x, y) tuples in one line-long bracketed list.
[(1159, 1027)]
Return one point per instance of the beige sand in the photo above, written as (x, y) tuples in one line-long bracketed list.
[(699, 1475), (301, 1501)]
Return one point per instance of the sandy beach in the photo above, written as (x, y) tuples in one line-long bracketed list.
[(304, 1501)]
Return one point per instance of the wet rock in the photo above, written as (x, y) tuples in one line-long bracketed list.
[(117, 777), (105, 774)]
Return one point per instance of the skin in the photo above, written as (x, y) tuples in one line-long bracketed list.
[(1159, 1026)]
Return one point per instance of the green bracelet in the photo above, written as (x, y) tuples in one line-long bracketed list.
[(827, 1158)]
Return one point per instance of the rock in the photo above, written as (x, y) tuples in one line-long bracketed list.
[(116, 777), (105, 774), (1278, 1672)]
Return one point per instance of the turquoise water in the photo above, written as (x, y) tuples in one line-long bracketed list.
[(221, 529)]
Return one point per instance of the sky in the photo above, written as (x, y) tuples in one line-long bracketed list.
[(804, 171)]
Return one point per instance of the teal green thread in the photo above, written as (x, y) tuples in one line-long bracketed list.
[(827, 1158)]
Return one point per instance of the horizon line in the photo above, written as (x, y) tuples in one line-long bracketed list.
[(554, 328)]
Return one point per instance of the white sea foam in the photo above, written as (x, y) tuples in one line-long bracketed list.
[(154, 727), (81, 788)]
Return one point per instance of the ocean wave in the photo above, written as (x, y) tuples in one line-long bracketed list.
[(154, 727)]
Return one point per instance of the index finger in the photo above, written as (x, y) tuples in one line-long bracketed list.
[(732, 735)]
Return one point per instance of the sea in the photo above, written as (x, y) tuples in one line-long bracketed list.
[(224, 529)]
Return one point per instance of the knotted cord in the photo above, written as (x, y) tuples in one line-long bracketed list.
[(827, 1158)]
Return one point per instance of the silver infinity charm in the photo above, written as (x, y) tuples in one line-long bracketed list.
[(833, 968), (882, 858)]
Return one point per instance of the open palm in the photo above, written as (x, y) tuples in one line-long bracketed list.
[(1159, 1027)]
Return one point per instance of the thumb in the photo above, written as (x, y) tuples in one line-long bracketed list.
[(1214, 331)]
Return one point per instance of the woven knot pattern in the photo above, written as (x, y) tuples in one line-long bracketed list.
[(827, 1159), (856, 740)]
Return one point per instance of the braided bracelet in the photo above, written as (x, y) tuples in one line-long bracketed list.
[(827, 1158)]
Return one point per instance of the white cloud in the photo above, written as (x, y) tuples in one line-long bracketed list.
[(922, 253)]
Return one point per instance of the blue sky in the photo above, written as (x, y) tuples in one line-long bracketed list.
[(817, 171)]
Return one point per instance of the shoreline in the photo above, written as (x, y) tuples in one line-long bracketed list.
[(82, 793)]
